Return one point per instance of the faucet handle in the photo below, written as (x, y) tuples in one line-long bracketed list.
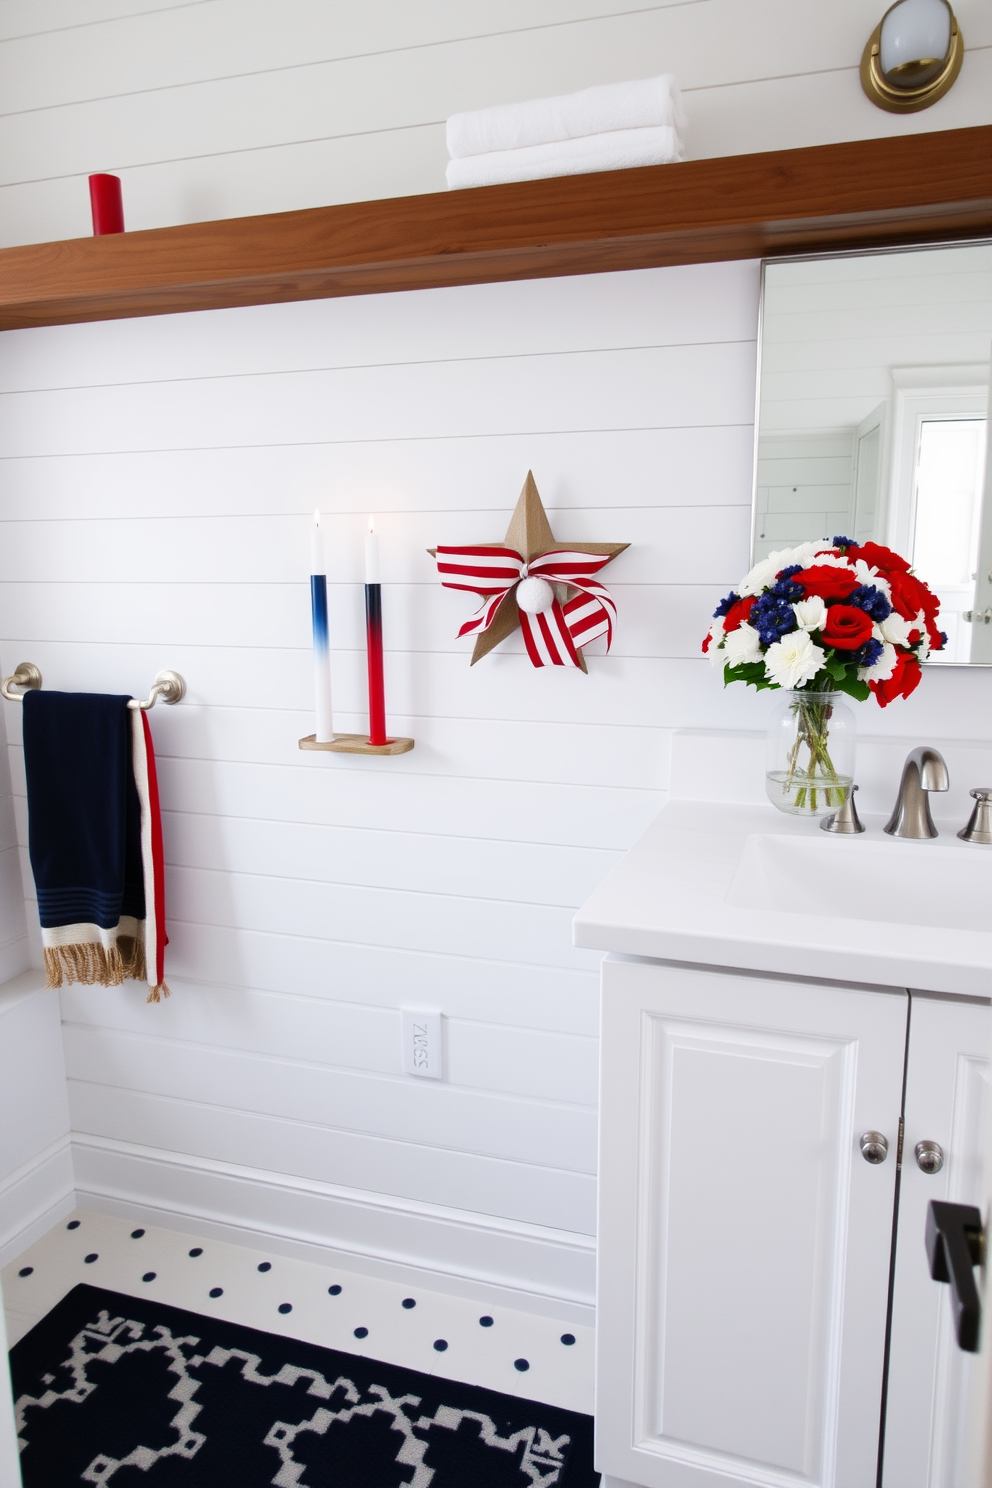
[(846, 820), (979, 828)]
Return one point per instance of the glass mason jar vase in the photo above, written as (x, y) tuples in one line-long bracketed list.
[(810, 761)]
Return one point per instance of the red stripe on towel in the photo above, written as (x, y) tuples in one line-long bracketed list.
[(158, 859)]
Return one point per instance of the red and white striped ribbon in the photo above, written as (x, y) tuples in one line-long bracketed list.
[(553, 637)]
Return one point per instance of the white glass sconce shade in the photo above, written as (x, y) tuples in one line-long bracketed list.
[(913, 56), (914, 41)]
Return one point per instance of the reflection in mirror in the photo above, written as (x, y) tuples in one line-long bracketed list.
[(873, 418)]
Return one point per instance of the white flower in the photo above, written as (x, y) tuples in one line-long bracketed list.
[(883, 668), (714, 651), (760, 576), (920, 624), (868, 575), (828, 560), (794, 660), (810, 613), (742, 645), (896, 630)]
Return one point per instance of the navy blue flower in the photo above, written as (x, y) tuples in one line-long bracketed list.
[(844, 542), (870, 653), (726, 605), (772, 616), (872, 601), (785, 589), (787, 573), (943, 638)]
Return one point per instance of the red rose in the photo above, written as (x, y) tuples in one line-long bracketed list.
[(935, 634), (903, 681), (846, 628), (910, 595), (878, 557), (707, 638), (827, 581), (737, 614)]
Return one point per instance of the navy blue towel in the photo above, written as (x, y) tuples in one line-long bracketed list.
[(84, 835)]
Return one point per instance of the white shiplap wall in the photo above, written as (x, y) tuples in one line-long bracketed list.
[(156, 479)]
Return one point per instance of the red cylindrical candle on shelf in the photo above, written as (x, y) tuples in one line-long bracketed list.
[(107, 205), (373, 638)]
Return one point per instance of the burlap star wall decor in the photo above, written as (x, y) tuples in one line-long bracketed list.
[(548, 588)]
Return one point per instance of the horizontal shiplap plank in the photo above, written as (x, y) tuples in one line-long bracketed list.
[(651, 467), (544, 1064), (523, 1191), (695, 303), (545, 997), (680, 545), (426, 1112), (636, 388), (483, 749), (458, 867), (654, 620), (497, 930)]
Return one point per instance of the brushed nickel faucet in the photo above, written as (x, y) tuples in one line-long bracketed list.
[(924, 771)]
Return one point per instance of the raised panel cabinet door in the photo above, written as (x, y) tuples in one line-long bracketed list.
[(744, 1241), (947, 1094)]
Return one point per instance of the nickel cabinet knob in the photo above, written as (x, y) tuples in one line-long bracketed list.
[(874, 1147), (929, 1157)]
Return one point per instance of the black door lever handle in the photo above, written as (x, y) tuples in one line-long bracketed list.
[(955, 1242)]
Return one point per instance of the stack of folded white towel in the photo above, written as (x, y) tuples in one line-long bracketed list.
[(607, 128)]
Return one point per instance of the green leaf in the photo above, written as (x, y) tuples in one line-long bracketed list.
[(751, 672), (854, 688)]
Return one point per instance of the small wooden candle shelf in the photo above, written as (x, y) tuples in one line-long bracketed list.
[(357, 744)]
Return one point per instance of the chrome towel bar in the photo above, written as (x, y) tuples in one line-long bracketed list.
[(169, 686)]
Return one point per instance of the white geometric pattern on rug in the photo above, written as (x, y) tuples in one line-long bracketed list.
[(541, 1462)]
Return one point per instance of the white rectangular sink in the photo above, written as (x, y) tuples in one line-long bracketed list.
[(893, 880)]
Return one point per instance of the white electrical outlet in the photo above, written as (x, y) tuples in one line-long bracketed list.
[(422, 1043)]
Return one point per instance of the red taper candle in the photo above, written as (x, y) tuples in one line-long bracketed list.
[(107, 205), (373, 639)]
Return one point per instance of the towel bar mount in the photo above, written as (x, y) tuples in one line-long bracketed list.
[(168, 686)]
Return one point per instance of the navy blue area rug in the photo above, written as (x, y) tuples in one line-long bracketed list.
[(126, 1391)]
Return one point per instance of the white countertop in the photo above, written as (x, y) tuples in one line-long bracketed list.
[(667, 899)]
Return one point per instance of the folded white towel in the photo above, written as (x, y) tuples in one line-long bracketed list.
[(642, 104), (618, 150)]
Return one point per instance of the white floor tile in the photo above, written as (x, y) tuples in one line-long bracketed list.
[(281, 1295)]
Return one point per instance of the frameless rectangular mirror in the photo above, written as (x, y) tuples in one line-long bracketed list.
[(873, 418)]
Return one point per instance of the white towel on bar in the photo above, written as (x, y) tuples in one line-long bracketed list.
[(643, 104), (618, 150)]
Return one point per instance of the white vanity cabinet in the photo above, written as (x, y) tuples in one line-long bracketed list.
[(745, 1244)]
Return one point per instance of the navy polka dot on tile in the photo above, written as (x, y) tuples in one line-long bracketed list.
[(265, 1265), (521, 1364), (440, 1344), (93, 1256), (485, 1322), (197, 1250), (136, 1234), (149, 1276), (334, 1291), (409, 1301), (26, 1271), (568, 1338), (361, 1332), (74, 1224), (216, 1291), (285, 1306)]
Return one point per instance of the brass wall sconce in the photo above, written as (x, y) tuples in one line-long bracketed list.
[(913, 56)]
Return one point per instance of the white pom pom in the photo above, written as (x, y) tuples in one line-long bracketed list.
[(534, 596)]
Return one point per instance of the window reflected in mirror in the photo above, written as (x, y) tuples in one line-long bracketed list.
[(873, 419)]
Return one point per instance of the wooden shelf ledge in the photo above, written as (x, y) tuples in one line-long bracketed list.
[(912, 188)]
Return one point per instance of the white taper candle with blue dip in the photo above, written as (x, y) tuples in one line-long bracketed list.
[(321, 650)]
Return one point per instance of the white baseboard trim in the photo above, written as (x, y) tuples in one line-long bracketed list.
[(474, 1255), (35, 1197)]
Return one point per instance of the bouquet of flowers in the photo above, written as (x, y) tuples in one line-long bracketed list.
[(821, 618)]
